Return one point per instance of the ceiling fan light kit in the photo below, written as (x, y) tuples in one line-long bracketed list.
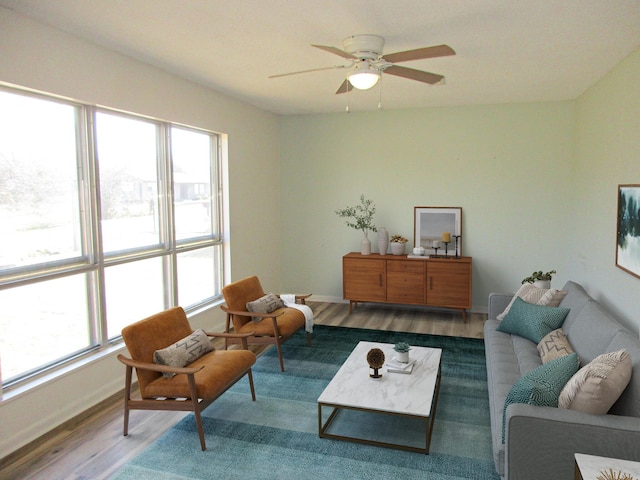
[(364, 75)]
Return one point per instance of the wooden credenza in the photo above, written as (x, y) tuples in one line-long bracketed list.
[(436, 282)]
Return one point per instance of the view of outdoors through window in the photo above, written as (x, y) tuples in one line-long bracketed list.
[(98, 228)]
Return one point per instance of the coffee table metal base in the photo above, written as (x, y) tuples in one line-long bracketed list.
[(324, 427)]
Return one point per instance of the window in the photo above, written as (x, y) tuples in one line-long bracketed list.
[(105, 218)]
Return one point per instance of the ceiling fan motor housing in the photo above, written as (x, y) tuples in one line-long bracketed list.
[(364, 46)]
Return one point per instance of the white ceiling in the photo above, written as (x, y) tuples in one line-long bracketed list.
[(507, 50)]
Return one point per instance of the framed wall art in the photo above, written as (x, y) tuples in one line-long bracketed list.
[(628, 230), (431, 222)]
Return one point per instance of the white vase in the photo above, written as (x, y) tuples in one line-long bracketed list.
[(383, 241), (542, 284), (403, 357), (397, 248), (365, 245)]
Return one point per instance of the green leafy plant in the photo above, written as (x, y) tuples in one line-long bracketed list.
[(402, 347), (535, 276), (398, 239), (360, 217)]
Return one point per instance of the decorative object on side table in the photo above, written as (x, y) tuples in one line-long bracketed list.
[(360, 217), (402, 350), (539, 279), (383, 241), (611, 475), (375, 359), (397, 244), (590, 467)]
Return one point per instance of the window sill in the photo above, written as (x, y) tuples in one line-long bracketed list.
[(29, 386)]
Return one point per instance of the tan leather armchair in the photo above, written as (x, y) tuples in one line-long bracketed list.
[(201, 382), (275, 328)]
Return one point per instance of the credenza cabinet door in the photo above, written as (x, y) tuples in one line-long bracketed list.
[(364, 279), (406, 281), (449, 284)]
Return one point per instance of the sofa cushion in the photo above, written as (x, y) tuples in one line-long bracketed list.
[(184, 351), (532, 321), (542, 386), (554, 345), (575, 300), (597, 385), (539, 296), (221, 369), (592, 332)]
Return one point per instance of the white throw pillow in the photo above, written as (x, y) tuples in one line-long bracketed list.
[(598, 385), (550, 297)]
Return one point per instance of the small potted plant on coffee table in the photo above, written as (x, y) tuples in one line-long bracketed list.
[(402, 350)]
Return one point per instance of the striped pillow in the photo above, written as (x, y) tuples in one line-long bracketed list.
[(554, 345)]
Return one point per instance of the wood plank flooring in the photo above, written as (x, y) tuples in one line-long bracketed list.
[(91, 446)]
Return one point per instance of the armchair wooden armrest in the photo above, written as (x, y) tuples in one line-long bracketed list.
[(229, 335), (244, 313), (301, 298), (154, 367)]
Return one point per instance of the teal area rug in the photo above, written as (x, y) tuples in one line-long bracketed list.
[(276, 437)]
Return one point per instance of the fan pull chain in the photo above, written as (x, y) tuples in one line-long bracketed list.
[(380, 98), (348, 110)]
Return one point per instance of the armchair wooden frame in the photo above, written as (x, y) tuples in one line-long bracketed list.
[(192, 404), (276, 339)]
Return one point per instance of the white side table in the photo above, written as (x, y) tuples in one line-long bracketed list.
[(591, 467)]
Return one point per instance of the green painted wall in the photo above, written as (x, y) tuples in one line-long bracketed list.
[(607, 153), (507, 166)]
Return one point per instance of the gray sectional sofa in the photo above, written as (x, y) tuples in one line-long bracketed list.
[(540, 441)]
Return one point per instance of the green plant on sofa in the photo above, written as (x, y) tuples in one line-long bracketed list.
[(535, 276)]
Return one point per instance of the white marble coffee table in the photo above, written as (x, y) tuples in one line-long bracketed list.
[(413, 396)]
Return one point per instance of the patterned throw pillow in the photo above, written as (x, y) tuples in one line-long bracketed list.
[(541, 386), (532, 321), (598, 385), (539, 296), (554, 345), (266, 304), (184, 351)]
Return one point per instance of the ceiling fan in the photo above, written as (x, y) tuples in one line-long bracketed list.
[(368, 63)]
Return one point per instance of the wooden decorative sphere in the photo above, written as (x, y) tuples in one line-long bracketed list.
[(375, 358)]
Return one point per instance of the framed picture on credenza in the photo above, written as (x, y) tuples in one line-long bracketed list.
[(431, 224)]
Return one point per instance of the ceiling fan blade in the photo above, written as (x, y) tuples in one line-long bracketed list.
[(412, 74), (307, 71), (345, 87), (336, 51), (420, 53)]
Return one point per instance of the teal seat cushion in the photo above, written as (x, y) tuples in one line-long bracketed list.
[(542, 386), (532, 321)]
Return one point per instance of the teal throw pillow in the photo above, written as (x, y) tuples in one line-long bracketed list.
[(532, 321), (542, 386)]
